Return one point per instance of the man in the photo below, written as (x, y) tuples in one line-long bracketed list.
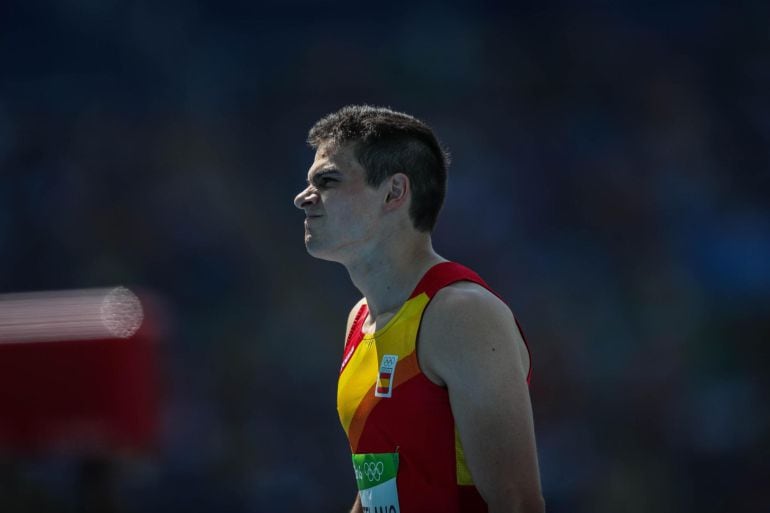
[(432, 392)]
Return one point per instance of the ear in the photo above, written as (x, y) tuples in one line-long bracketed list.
[(398, 191)]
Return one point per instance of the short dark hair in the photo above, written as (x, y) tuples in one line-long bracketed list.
[(388, 142)]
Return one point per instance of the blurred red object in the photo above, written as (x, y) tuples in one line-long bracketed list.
[(87, 397)]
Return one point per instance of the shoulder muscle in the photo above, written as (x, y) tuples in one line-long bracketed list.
[(465, 323)]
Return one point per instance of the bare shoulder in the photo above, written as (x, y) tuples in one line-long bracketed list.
[(467, 323), (464, 306), (352, 318), (467, 298)]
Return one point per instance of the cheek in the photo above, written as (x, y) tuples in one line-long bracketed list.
[(347, 209), (360, 212)]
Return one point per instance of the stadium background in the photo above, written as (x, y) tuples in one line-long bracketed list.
[(610, 178)]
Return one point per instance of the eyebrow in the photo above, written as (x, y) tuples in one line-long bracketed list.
[(323, 172)]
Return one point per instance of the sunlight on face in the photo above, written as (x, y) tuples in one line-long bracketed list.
[(341, 210)]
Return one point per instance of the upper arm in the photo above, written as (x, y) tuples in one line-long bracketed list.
[(470, 340)]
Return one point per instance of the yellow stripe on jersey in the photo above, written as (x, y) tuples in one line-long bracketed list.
[(463, 473), (355, 381)]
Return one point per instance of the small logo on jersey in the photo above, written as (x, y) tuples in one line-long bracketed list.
[(373, 471), (384, 386)]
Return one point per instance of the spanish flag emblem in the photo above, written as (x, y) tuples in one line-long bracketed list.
[(384, 386)]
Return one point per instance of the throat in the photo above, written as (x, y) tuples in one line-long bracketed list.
[(387, 280), (373, 322)]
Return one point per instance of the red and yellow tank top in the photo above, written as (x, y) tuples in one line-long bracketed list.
[(407, 456)]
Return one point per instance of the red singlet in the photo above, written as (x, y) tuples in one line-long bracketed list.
[(407, 456)]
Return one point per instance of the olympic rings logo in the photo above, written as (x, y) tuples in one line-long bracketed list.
[(373, 471)]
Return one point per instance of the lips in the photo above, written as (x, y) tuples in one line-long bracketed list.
[(311, 219)]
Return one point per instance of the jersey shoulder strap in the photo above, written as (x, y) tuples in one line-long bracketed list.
[(447, 273), (443, 274), (355, 335)]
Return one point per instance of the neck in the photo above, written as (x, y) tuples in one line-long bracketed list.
[(390, 274)]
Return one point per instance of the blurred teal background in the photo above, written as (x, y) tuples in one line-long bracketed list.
[(610, 179)]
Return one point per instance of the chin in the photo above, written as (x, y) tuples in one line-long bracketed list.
[(329, 257), (317, 250)]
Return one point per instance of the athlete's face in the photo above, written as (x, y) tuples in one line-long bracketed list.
[(341, 210)]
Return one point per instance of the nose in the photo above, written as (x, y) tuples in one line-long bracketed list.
[(306, 198)]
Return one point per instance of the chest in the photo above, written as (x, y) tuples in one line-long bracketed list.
[(376, 366)]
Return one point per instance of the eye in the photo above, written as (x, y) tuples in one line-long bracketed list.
[(324, 181)]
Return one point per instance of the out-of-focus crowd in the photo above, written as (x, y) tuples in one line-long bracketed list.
[(610, 178)]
